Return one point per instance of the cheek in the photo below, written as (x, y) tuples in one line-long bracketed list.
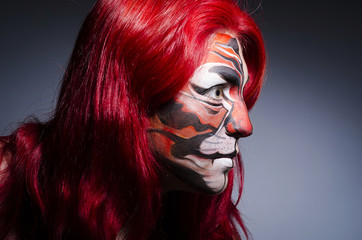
[(160, 144), (206, 114), (179, 128)]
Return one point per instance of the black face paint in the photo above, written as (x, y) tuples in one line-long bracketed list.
[(190, 134), (227, 74), (183, 119)]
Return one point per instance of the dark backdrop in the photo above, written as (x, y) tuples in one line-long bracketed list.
[(303, 162)]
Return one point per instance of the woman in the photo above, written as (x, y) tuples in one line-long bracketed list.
[(142, 142)]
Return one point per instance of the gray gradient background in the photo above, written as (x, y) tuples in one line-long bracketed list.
[(303, 163)]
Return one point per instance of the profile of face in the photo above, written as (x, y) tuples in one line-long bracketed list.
[(195, 135)]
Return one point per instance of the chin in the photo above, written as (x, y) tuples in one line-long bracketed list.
[(216, 184)]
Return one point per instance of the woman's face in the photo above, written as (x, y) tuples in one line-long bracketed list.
[(194, 135)]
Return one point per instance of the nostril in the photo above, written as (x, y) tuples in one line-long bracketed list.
[(240, 134), (238, 129), (238, 123)]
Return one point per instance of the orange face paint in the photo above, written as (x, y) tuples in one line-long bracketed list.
[(195, 134)]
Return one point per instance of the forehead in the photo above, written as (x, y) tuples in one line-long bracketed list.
[(223, 63), (225, 49), (227, 40)]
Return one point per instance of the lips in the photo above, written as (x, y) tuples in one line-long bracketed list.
[(215, 155)]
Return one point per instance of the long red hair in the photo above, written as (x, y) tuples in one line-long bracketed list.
[(88, 173)]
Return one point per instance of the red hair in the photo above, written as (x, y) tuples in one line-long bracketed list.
[(88, 172)]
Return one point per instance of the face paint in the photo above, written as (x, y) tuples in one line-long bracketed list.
[(195, 134)]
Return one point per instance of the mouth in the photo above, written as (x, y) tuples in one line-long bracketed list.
[(215, 155), (222, 161)]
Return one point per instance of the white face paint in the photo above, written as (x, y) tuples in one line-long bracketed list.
[(195, 135)]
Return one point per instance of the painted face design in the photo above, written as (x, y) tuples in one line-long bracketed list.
[(195, 134)]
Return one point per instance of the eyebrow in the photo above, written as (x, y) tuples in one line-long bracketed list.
[(228, 74)]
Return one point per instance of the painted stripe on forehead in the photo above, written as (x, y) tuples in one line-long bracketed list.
[(228, 40), (234, 62), (214, 58), (229, 51), (233, 43), (228, 74), (227, 47)]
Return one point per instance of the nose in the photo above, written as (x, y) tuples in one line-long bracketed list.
[(238, 123)]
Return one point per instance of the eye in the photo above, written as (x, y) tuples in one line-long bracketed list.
[(215, 92), (213, 95)]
